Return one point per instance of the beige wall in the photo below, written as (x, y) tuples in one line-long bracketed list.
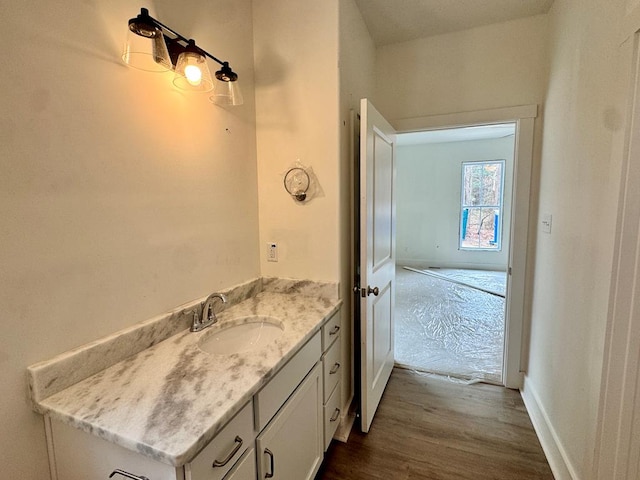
[(487, 67), (579, 187), (302, 112), (120, 198), (297, 118)]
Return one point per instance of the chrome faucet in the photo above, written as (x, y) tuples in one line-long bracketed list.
[(208, 316)]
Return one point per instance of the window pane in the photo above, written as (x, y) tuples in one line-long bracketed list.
[(481, 229), (491, 183), (482, 184), (471, 179)]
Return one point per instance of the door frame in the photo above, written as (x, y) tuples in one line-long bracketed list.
[(516, 313)]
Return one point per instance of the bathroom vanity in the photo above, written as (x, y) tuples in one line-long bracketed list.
[(172, 411)]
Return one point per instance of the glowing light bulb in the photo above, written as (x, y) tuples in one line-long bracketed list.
[(193, 75)]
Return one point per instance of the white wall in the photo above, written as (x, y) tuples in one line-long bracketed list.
[(579, 187), (297, 88), (482, 68), (428, 184), (120, 198)]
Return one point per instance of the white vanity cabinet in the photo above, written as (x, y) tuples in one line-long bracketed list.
[(281, 433)]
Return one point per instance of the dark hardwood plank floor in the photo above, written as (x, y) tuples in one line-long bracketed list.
[(431, 428)]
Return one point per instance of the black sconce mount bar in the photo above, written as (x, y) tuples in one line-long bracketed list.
[(147, 26)]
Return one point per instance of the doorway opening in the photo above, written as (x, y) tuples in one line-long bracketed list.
[(454, 207)]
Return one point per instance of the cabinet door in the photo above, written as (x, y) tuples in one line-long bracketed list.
[(291, 446)]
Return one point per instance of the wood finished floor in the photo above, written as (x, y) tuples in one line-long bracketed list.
[(430, 428)]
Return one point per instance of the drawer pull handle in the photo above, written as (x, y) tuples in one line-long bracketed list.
[(127, 474), (218, 463), (272, 464), (334, 369), (335, 415), (334, 330)]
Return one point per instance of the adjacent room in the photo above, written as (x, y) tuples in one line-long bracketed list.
[(454, 189)]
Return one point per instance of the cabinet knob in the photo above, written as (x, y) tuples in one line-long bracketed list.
[(335, 368)]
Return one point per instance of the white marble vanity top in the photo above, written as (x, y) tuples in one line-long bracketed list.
[(169, 400)]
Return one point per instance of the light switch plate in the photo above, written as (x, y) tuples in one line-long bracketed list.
[(546, 220)]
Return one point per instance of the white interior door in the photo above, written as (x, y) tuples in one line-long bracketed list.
[(377, 257)]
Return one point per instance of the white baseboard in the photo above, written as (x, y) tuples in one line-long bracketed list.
[(556, 454)]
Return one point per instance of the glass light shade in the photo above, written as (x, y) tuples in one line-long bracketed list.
[(146, 52), (192, 73), (226, 93)]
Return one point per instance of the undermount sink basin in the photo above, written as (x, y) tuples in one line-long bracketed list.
[(241, 335)]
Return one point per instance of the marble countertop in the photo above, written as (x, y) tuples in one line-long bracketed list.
[(169, 400)]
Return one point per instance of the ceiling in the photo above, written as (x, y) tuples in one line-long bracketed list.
[(393, 21), (481, 132)]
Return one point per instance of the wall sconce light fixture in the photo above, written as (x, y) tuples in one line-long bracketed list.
[(154, 47)]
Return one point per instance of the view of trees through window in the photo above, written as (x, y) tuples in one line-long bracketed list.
[(481, 205)]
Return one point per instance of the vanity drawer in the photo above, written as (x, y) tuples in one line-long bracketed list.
[(332, 416), (331, 330), (269, 400), (331, 368), (245, 469), (217, 458)]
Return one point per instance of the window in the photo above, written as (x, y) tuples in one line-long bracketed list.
[(481, 205)]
